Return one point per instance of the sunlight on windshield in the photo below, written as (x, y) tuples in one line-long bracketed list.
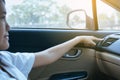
[(104, 9), (108, 17)]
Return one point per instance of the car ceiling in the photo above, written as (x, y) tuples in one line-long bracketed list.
[(113, 3)]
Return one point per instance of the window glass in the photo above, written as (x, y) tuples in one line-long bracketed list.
[(108, 17), (43, 13)]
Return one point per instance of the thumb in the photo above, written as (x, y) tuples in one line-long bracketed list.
[(97, 39)]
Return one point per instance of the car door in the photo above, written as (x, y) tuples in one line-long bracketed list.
[(26, 35)]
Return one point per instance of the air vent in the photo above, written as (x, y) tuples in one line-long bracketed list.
[(117, 34), (108, 42)]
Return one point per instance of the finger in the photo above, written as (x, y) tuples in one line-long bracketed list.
[(97, 39), (93, 44), (90, 44)]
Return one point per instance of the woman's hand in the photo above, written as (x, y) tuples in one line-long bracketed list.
[(88, 41)]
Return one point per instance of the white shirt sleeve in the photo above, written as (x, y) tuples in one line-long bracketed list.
[(23, 61)]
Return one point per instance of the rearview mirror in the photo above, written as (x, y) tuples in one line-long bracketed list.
[(77, 19)]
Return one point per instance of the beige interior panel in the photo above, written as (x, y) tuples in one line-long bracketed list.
[(85, 62), (109, 64)]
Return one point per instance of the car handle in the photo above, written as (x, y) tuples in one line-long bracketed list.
[(74, 54)]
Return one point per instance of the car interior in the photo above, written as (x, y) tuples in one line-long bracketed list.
[(80, 63)]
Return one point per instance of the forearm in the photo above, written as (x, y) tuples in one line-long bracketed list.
[(54, 53), (61, 49)]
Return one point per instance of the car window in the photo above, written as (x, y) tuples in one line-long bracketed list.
[(108, 17), (43, 13)]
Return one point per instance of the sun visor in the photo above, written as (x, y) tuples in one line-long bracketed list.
[(114, 3)]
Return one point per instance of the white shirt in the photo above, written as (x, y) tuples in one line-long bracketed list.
[(16, 66)]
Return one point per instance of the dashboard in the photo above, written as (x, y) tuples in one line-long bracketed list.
[(111, 43), (108, 56)]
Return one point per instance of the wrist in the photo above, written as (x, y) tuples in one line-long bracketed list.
[(78, 39)]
